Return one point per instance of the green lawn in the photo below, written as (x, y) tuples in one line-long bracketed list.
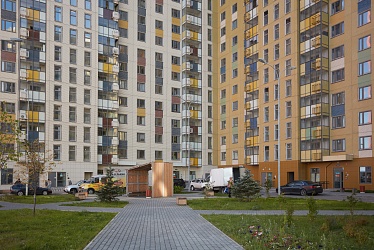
[(271, 204), (114, 204), (40, 199), (49, 229), (325, 232)]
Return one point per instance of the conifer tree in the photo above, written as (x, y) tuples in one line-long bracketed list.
[(109, 192), (246, 188)]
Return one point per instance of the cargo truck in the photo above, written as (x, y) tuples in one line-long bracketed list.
[(220, 176)]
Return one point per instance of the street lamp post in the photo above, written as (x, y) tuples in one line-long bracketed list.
[(276, 71)]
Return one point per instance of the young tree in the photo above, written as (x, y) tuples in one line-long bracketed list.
[(33, 163), (9, 136), (246, 187), (109, 192)]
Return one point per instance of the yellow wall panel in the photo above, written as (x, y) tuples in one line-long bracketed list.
[(176, 21), (175, 68), (159, 33), (176, 37), (123, 24), (140, 112)]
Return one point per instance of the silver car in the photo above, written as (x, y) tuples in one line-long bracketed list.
[(198, 184)]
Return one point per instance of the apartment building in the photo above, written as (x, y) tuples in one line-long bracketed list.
[(110, 83)]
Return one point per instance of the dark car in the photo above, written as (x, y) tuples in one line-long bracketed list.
[(179, 182), (302, 188), (20, 189)]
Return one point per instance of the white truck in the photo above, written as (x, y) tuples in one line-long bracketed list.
[(220, 176)]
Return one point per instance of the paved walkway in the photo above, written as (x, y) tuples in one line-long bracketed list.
[(160, 224)]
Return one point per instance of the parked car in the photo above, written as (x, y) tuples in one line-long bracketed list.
[(72, 189), (20, 189), (198, 184), (302, 188), (179, 182)]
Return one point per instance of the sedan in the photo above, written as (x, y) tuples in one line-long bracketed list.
[(302, 188), (20, 189)]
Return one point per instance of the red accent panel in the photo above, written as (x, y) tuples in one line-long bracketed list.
[(106, 159), (161, 2), (159, 113), (159, 130), (142, 61), (141, 78), (175, 100), (34, 35), (8, 56)]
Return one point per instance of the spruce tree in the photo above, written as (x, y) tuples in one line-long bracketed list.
[(246, 188), (109, 192)]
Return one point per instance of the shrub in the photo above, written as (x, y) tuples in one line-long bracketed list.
[(178, 189), (354, 229), (352, 201), (313, 209), (109, 192)]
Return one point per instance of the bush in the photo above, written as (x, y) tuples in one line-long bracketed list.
[(109, 192), (178, 189), (246, 188), (313, 209)]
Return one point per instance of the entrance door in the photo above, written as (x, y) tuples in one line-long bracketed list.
[(263, 179), (338, 178), (290, 176), (236, 173)]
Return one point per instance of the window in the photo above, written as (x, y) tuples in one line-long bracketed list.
[(288, 67), (365, 175), (337, 75), (158, 24), (234, 89), (175, 13), (364, 43), (87, 77), (71, 153), (87, 96), (56, 152), (288, 130), (57, 113), (223, 156), (234, 8), (337, 52), (72, 94), (8, 87), (58, 14), (87, 116), (364, 93), (6, 176), (87, 4), (223, 109), (175, 44), (223, 16), (266, 55), (87, 40), (158, 41), (8, 46), (266, 133), (210, 35), (364, 118), (86, 154), (223, 93), (140, 154), (276, 112), (87, 21), (223, 46), (72, 114), (223, 2), (122, 118), (337, 29), (276, 52), (265, 3), (223, 124), (287, 6), (158, 155), (234, 73), (338, 145), (175, 76), (57, 73), (72, 133), (266, 153), (57, 93), (8, 26), (364, 142), (73, 56), (58, 34), (364, 18), (140, 103), (235, 155), (276, 31), (288, 46), (158, 138), (276, 11), (266, 94), (122, 101), (8, 5), (87, 59), (337, 7), (72, 75), (140, 87), (9, 67), (338, 99), (266, 18), (338, 122), (364, 68), (73, 2), (266, 37), (86, 134), (234, 24), (288, 26), (175, 29), (73, 17), (58, 53), (235, 106), (288, 109), (140, 120), (289, 151), (223, 31), (140, 137), (288, 88), (159, 8), (266, 114), (234, 40), (57, 132)]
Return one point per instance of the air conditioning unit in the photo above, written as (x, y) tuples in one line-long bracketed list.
[(115, 87), (115, 68), (23, 73), (115, 51), (188, 65), (114, 159), (23, 33), (115, 15), (191, 130), (188, 34), (248, 70), (23, 12), (116, 1), (115, 33), (23, 114), (23, 93), (23, 53)]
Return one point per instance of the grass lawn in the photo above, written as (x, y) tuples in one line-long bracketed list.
[(40, 199), (271, 204), (325, 232), (114, 204), (49, 229)]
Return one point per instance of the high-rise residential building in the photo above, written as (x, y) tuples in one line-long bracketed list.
[(218, 83)]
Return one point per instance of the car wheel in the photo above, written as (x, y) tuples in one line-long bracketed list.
[(73, 191), (303, 192), (45, 192), (91, 191), (19, 193), (192, 188)]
